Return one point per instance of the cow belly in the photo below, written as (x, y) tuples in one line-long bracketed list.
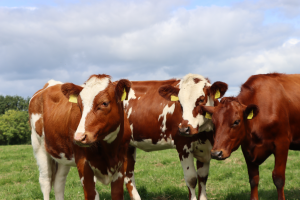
[(148, 145), (201, 151), (64, 161)]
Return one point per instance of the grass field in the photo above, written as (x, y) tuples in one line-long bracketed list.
[(158, 176)]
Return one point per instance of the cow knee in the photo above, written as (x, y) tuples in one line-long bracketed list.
[(192, 182), (278, 180)]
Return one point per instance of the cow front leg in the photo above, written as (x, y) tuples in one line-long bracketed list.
[(117, 190), (129, 179), (253, 172), (60, 181), (88, 183), (278, 174), (190, 174), (202, 172)]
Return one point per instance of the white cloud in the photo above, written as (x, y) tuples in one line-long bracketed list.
[(141, 40)]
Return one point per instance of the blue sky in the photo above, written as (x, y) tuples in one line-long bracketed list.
[(224, 40)]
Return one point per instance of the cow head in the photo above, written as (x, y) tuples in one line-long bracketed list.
[(191, 92), (101, 108), (230, 118)]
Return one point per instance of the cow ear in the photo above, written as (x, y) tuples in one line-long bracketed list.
[(207, 111), (251, 111), (169, 92), (218, 89), (122, 90), (71, 91)]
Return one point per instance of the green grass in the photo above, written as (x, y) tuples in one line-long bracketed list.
[(158, 176)]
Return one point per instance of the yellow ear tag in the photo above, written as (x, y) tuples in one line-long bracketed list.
[(217, 95), (123, 95), (250, 116), (174, 98), (208, 116), (73, 98)]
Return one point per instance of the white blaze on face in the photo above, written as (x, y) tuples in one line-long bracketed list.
[(92, 87), (188, 94)]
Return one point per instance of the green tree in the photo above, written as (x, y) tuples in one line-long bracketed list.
[(14, 127), (13, 103)]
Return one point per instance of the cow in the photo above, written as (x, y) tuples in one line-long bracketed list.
[(162, 114), (83, 127), (264, 119)]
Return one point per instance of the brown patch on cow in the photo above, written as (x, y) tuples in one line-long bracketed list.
[(207, 79), (193, 182), (197, 80), (122, 85), (39, 126), (70, 89), (167, 91), (99, 76), (188, 168)]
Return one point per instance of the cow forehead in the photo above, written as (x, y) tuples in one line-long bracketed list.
[(190, 91), (93, 87)]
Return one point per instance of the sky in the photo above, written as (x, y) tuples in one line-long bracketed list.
[(69, 40)]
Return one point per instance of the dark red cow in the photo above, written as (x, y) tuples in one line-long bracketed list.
[(84, 127), (157, 110), (264, 119)]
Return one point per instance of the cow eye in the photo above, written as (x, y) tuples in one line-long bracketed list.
[(104, 104), (236, 123)]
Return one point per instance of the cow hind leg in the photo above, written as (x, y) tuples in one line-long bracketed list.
[(44, 162), (202, 172), (60, 181), (129, 179)]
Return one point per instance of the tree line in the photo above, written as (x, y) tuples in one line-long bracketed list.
[(14, 120)]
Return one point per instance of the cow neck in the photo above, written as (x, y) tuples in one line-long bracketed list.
[(248, 144)]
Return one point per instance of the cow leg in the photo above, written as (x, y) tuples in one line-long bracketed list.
[(88, 183), (44, 162), (117, 190), (129, 179), (278, 174), (202, 171), (190, 174), (253, 172), (60, 181)]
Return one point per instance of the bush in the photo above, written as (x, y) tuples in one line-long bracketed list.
[(14, 128)]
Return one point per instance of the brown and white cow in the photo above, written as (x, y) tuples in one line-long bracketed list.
[(83, 127), (264, 119), (158, 111)]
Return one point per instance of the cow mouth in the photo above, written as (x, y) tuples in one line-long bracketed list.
[(83, 144)]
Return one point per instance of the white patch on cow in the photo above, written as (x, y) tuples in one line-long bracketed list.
[(92, 87), (166, 110), (109, 177), (60, 180), (50, 83), (139, 98), (147, 145), (203, 171), (131, 95), (188, 94), (134, 191), (112, 136), (117, 176), (189, 171), (129, 112), (131, 128), (161, 135), (203, 192), (97, 195), (95, 179), (202, 151), (81, 180), (42, 157), (64, 161)]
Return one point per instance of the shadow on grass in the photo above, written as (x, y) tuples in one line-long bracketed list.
[(264, 195), (171, 193)]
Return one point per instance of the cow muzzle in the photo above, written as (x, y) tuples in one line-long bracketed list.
[(187, 130), (81, 139), (218, 154)]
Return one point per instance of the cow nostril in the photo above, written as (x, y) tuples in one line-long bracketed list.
[(187, 129), (83, 138), (220, 153)]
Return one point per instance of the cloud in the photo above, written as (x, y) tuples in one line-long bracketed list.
[(140, 40)]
